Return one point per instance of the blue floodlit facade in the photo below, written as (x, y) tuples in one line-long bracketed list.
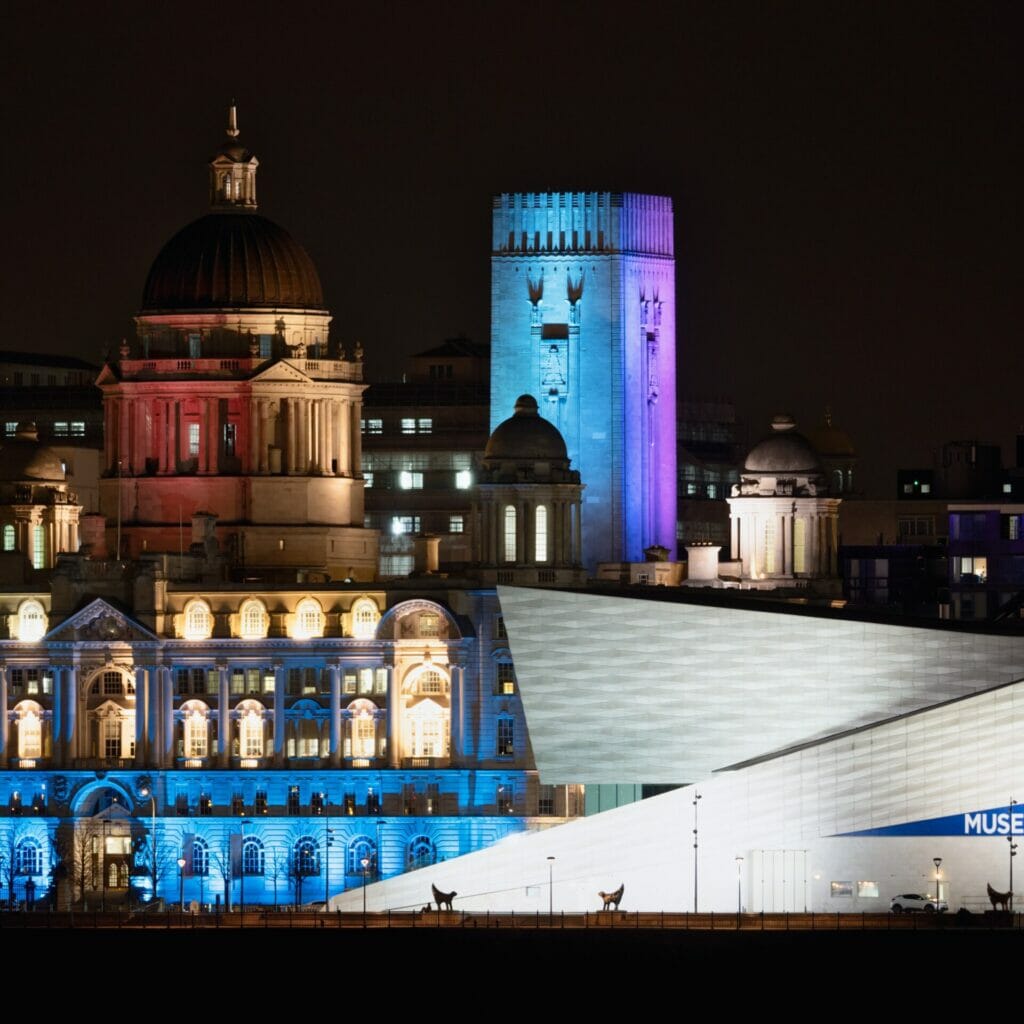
[(224, 719), (583, 319)]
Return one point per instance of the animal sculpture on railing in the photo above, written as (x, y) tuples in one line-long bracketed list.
[(608, 898), (998, 898), (443, 899)]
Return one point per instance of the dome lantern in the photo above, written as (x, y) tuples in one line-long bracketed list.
[(233, 171)]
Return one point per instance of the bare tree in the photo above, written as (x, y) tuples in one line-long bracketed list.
[(12, 836), (276, 866), (304, 861), (220, 855), (73, 855), (158, 856)]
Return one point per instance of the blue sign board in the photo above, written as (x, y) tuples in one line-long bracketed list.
[(999, 821)]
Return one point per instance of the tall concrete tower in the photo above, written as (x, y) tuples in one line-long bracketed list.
[(583, 319)]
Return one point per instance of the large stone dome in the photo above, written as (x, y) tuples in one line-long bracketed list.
[(526, 436), (24, 460), (230, 260), (783, 451)]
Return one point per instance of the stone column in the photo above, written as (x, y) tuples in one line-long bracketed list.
[(70, 715), (223, 718), (394, 721), (167, 753), (5, 724), (56, 721), (457, 723), (278, 715), (255, 434), (780, 544), (335, 671), (577, 540), (344, 443), (290, 407), (153, 715), (123, 443), (330, 455), (355, 448), (141, 699)]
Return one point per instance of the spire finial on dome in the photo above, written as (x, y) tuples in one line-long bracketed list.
[(232, 128)]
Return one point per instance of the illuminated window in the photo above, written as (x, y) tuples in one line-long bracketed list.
[(456, 524), (405, 524), (463, 479), (39, 547), (31, 621), (196, 732), (8, 537), (867, 890), (230, 437), (193, 440), (510, 533), (365, 617), (113, 684), (408, 426), (309, 619), (28, 858), (78, 428), (1008, 488), (11, 426), (253, 620), (306, 857), (363, 729), (427, 728), (410, 481), (424, 426), (541, 533), (367, 479), (30, 730), (110, 737), (250, 729), (372, 426), (972, 569), (421, 852), (430, 682), (60, 428), (253, 856), (506, 678), (198, 620), (195, 346), (200, 861), (359, 849), (506, 737), (769, 546), (840, 889)]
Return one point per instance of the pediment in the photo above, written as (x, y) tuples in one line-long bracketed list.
[(99, 622), (107, 376), (282, 372)]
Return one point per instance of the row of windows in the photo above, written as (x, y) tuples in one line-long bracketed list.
[(540, 533), (254, 619), (407, 425), (298, 681), (412, 480), (38, 543), (60, 428)]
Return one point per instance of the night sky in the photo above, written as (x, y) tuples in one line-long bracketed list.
[(846, 179)]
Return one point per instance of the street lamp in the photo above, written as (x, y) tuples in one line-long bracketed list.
[(146, 791), (937, 861), (696, 797), (365, 862), (1013, 850), (181, 883), (739, 885), (328, 843), (551, 886)]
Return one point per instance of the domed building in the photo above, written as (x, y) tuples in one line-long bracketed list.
[(784, 523), (233, 400), (38, 513), (527, 515)]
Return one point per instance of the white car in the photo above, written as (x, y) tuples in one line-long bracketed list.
[(915, 901)]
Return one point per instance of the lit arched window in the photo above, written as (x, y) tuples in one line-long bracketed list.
[(309, 619), (362, 848), (427, 726), (31, 621), (8, 537), (510, 533), (28, 857), (39, 547), (421, 852), (197, 742), (363, 728), (253, 620), (200, 857), (253, 856), (198, 620), (307, 857), (431, 682), (250, 729), (30, 729), (365, 617), (541, 533)]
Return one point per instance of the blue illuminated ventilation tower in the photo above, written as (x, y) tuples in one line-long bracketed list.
[(583, 319)]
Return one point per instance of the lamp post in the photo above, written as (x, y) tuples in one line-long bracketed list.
[(328, 843), (1013, 850), (146, 791), (551, 887), (937, 861), (181, 883), (365, 862), (696, 797), (739, 885)]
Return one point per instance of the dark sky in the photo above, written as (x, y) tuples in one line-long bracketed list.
[(846, 178)]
